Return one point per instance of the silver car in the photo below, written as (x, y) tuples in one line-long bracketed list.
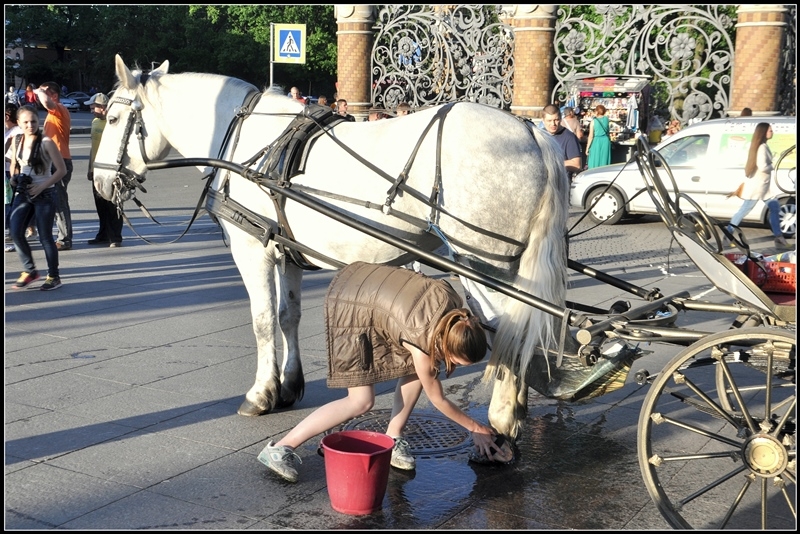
[(707, 160), (69, 103)]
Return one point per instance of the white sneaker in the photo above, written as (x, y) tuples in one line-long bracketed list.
[(401, 455), (281, 460)]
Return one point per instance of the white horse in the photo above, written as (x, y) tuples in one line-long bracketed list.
[(487, 183)]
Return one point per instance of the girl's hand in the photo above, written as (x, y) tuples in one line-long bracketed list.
[(483, 437)]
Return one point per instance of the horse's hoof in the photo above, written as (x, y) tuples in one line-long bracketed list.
[(249, 409)]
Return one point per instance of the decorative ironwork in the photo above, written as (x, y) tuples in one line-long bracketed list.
[(787, 90), (687, 50), (433, 54)]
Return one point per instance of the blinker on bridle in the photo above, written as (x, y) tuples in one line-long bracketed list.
[(127, 179)]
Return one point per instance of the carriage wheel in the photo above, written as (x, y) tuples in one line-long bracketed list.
[(716, 436)]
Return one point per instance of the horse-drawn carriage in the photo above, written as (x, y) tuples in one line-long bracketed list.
[(293, 189)]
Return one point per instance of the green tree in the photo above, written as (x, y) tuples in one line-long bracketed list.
[(60, 27), (243, 23), (228, 40)]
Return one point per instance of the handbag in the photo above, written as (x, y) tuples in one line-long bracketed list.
[(737, 192)]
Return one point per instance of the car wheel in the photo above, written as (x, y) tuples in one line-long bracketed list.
[(605, 207), (787, 217)]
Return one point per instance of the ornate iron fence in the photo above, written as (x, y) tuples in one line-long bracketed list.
[(687, 50), (787, 92), (432, 54)]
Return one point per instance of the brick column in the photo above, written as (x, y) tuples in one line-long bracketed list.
[(534, 54), (355, 37), (760, 33)]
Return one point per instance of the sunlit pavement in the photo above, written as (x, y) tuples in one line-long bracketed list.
[(121, 390)]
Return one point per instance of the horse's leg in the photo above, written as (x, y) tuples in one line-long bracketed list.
[(256, 264), (292, 381), (508, 406)]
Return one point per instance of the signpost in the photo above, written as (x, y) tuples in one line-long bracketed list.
[(288, 43)]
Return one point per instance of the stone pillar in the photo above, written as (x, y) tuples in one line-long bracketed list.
[(760, 34), (355, 37), (534, 54)]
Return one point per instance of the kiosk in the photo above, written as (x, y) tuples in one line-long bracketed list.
[(626, 99)]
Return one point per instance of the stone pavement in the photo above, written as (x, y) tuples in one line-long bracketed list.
[(121, 390)]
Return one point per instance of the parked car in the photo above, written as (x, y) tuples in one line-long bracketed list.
[(707, 160), (81, 98), (69, 103)]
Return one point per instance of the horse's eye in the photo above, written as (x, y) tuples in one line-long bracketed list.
[(112, 120)]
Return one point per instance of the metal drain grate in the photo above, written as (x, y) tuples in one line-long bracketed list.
[(428, 435)]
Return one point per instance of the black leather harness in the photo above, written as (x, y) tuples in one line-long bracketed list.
[(285, 158), (282, 160)]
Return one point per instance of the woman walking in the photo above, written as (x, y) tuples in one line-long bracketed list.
[(758, 173), (32, 157), (387, 323), (598, 146)]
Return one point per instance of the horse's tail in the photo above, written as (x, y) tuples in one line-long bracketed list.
[(542, 273)]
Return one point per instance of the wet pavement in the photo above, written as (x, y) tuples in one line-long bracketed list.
[(121, 391)]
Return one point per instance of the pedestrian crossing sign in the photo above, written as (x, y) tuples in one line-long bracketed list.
[(290, 43)]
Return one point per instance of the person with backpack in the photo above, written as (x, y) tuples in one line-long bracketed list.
[(36, 167)]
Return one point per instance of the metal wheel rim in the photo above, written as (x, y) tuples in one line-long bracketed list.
[(754, 461)]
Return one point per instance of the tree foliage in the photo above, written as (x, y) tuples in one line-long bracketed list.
[(230, 40)]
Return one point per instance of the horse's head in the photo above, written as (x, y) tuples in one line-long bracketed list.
[(126, 146)]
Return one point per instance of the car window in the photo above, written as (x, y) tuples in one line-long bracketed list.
[(686, 152)]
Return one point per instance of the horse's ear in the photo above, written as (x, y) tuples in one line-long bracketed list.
[(124, 74), (163, 68)]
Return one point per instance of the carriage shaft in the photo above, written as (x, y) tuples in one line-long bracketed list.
[(432, 259)]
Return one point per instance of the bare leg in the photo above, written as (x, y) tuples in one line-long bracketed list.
[(359, 400), (406, 395)]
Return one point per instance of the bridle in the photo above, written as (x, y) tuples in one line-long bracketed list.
[(126, 179)]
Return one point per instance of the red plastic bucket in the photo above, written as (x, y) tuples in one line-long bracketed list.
[(357, 470)]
